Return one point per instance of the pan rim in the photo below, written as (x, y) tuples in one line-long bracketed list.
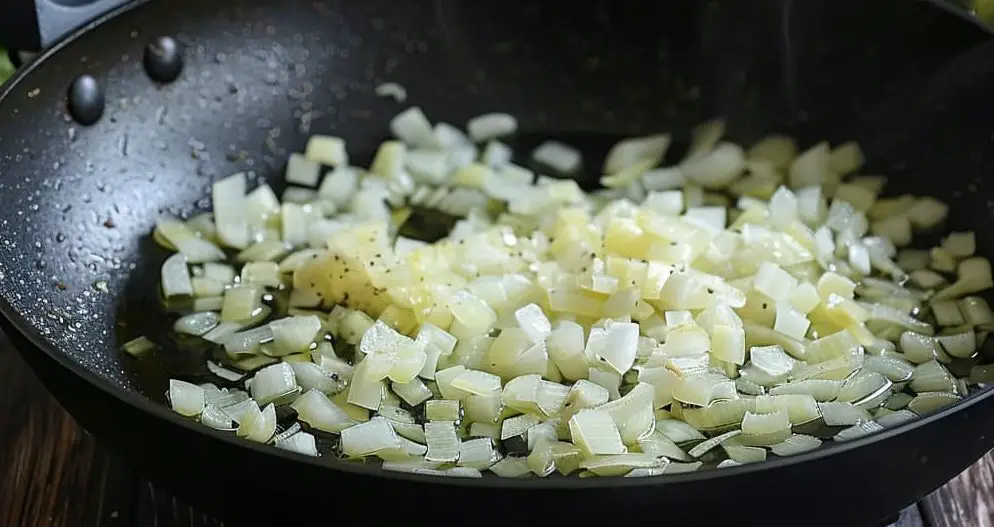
[(38, 344)]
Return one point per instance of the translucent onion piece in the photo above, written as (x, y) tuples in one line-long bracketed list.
[(369, 438), (197, 323), (315, 409), (705, 446), (928, 402), (795, 444), (257, 425), (300, 442), (842, 414), (443, 444), (186, 399), (857, 431)]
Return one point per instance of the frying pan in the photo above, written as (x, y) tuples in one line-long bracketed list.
[(910, 79)]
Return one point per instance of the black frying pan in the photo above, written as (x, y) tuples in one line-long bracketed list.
[(837, 69)]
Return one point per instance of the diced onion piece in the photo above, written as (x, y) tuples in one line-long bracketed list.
[(857, 431), (771, 360), (511, 467), (274, 383), (961, 345), (895, 418), (842, 414), (315, 409), (973, 275), (491, 126), (559, 157), (442, 410), (216, 418), (195, 248), (476, 453), (412, 127), (615, 346), (515, 426), (301, 443), (678, 431), (302, 171), (175, 277), (310, 376), (186, 399), (257, 425), (595, 432), (228, 197), (391, 89), (477, 382), (795, 444), (369, 438), (139, 346), (443, 444), (631, 151), (928, 212), (705, 446), (326, 150), (295, 334), (812, 167), (928, 402), (620, 464)]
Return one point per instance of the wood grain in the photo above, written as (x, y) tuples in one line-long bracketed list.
[(966, 501), (53, 474)]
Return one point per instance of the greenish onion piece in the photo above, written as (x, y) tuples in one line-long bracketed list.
[(856, 431), (310, 376), (729, 463), (659, 445), (477, 453), (932, 377), (443, 444), (442, 410), (976, 311), (410, 465), (882, 313), (511, 467), (224, 373), (928, 402), (982, 373), (898, 401), (541, 459), (248, 341), (961, 345), (842, 414), (893, 368), (139, 346), (920, 348), (895, 418)]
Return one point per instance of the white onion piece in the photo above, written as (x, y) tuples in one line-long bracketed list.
[(274, 383), (391, 89), (369, 438), (257, 425), (216, 418), (228, 196), (559, 157), (224, 373), (186, 399), (302, 171), (412, 127), (796, 444), (195, 248), (300, 442), (443, 444), (295, 334), (326, 150), (857, 431), (315, 409), (491, 126), (197, 323), (175, 280), (310, 376)]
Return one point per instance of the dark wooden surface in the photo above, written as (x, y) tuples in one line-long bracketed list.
[(54, 474)]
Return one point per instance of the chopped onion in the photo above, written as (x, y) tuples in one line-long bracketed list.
[(557, 156), (197, 323), (491, 126), (795, 444), (257, 425), (443, 444), (228, 197), (369, 438), (186, 399)]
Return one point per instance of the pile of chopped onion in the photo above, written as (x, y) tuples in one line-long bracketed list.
[(741, 303)]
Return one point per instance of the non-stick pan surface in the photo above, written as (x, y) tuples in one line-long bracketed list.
[(260, 75)]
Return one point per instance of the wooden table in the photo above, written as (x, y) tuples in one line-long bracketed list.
[(52, 473)]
